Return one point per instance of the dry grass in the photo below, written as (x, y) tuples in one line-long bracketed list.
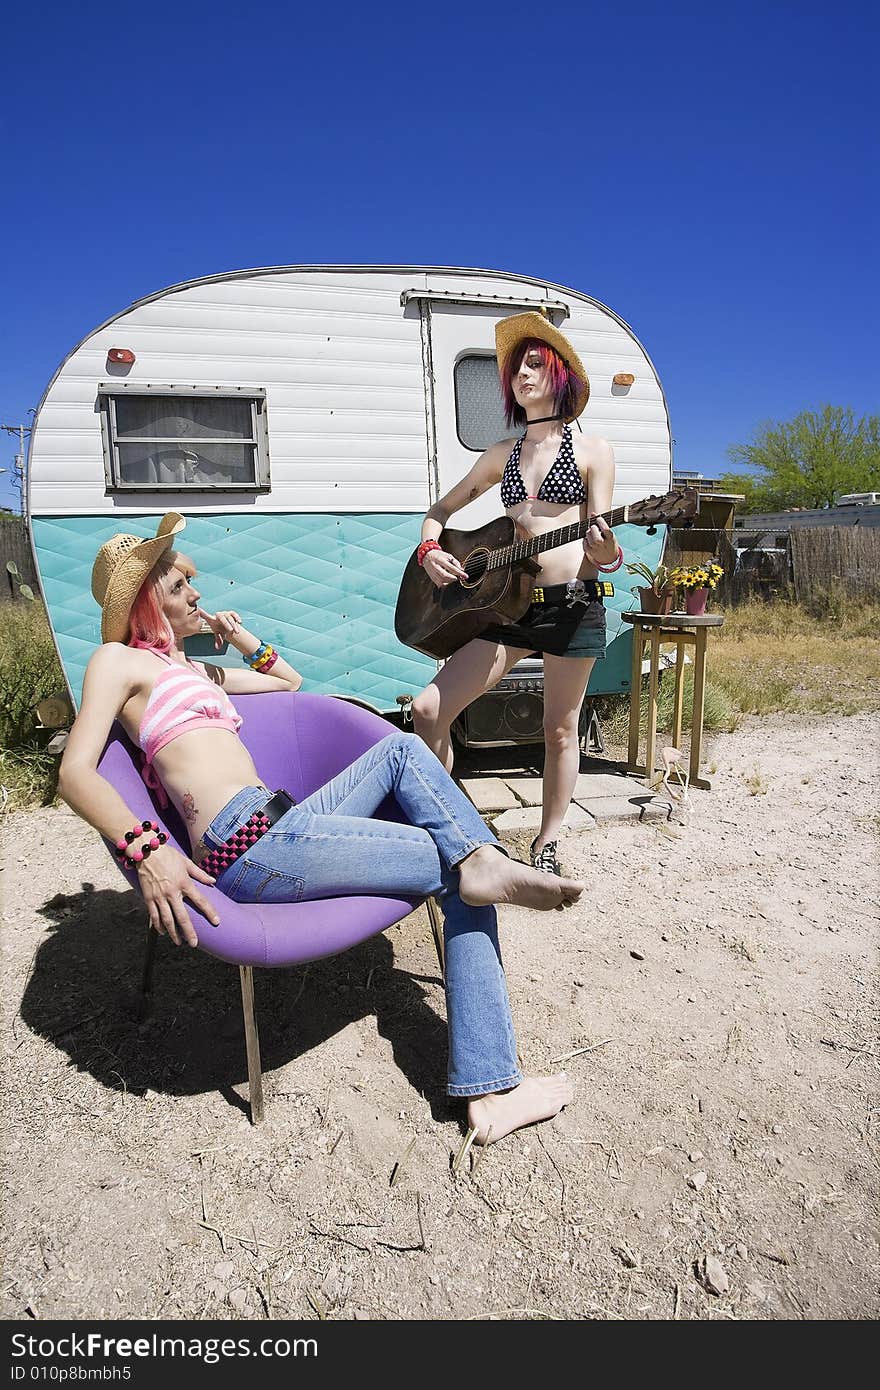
[(757, 784), (719, 712), (779, 656)]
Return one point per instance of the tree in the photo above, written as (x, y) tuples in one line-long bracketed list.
[(809, 461)]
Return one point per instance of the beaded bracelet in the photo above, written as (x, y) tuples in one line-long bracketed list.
[(609, 569), (134, 834), (158, 838), (143, 851), (425, 548)]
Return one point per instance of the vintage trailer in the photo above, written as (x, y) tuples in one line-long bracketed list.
[(303, 418)]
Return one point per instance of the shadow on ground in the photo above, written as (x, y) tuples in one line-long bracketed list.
[(83, 995)]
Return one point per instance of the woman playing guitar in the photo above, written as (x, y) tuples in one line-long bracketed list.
[(549, 478)]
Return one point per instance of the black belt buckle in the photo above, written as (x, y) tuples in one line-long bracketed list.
[(277, 806)]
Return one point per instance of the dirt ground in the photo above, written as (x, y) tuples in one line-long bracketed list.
[(713, 994)]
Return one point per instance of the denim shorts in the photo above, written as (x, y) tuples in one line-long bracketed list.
[(557, 628)]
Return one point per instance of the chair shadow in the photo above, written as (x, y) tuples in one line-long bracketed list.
[(84, 996)]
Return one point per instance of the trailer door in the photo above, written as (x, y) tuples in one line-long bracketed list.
[(463, 397)]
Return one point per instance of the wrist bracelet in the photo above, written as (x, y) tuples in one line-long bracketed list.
[(269, 657), (256, 656), (425, 548), (609, 569), (139, 852), (134, 834)]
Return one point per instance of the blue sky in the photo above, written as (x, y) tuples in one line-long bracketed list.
[(708, 175)]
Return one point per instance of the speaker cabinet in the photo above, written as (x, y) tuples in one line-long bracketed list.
[(514, 713)]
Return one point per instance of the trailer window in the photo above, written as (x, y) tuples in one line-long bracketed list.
[(479, 409), (184, 440)]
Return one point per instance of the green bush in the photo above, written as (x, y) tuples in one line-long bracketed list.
[(29, 671)]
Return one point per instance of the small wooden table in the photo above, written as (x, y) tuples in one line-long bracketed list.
[(683, 630)]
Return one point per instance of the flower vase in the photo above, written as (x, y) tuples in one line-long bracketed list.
[(652, 602), (695, 602)]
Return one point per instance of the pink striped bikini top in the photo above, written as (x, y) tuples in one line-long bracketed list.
[(182, 699)]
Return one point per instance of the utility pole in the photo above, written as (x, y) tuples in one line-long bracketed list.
[(19, 465)]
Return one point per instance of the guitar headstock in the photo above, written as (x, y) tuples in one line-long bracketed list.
[(677, 505)]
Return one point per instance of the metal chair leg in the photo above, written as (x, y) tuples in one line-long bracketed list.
[(435, 917), (252, 1041)]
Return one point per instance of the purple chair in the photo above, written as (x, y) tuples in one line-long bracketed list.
[(297, 742)]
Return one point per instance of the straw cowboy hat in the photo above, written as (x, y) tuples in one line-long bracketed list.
[(510, 332), (121, 566)]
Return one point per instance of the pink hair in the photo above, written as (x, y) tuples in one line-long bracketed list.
[(147, 627), (564, 383)]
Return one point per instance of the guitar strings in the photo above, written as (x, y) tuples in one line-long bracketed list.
[(523, 550)]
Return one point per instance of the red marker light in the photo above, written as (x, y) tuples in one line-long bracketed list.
[(122, 355)]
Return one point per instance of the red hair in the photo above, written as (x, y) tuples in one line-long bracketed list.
[(564, 383), (147, 626)]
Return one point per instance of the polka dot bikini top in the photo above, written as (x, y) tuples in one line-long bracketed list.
[(562, 484)]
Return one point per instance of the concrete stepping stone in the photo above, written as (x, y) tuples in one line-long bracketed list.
[(490, 794), (644, 806), (528, 790), (596, 784), (529, 818)]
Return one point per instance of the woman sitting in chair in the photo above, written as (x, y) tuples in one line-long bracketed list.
[(258, 847)]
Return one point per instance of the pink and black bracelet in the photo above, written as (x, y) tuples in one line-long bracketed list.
[(141, 852)]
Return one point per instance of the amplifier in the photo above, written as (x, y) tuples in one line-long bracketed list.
[(514, 713)]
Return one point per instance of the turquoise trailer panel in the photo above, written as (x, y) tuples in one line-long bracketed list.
[(322, 588)]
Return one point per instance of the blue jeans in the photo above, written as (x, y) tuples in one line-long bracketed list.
[(328, 846)]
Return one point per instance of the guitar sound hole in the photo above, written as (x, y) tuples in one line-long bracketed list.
[(475, 564)]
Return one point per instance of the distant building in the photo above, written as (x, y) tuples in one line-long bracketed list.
[(782, 522), (686, 477)]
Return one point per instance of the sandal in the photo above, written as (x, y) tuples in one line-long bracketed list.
[(545, 859)]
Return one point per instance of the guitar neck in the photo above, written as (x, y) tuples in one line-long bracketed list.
[(524, 550)]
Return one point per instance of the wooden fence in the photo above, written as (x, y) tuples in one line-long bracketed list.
[(811, 561), (846, 558), (14, 545)]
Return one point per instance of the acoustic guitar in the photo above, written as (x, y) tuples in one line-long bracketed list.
[(501, 573)]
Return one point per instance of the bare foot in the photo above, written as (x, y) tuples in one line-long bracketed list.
[(536, 1098), (489, 877)]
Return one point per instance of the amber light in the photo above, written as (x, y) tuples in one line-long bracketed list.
[(624, 379)]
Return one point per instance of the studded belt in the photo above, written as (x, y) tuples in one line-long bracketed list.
[(574, 591), (216, 860)]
